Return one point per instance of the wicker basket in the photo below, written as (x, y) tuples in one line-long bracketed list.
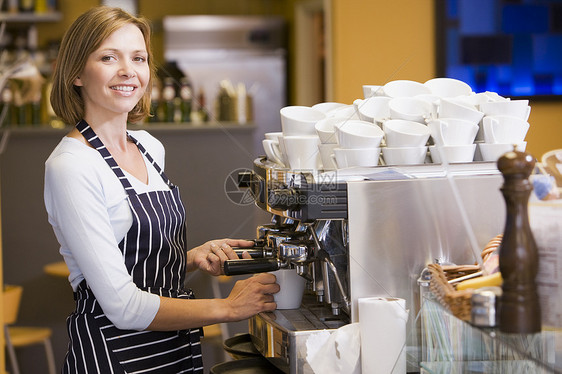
[(458, 302)]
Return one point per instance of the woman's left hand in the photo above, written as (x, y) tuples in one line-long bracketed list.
[(210, 256)]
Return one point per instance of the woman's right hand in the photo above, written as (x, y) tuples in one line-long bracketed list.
[(252, 296)]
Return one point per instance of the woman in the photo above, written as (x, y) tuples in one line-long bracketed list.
[(120, 221)]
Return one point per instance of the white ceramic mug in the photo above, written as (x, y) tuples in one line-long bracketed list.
[(404, 155), (327, 106), (272, 151), (302, 152), (359, 134), (504, 129), (299, 120), (346, 158), (452, 131), (452, 153), (326, 129), (492, 152), (326, 152), (410, 109), (448, 87), (451, 108), (374, 109), (514, 108), (346, 112), (404, 88), (370, 90), (402, 133), (291, 289), (273, 135)]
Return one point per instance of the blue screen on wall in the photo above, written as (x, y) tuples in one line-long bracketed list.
[(512, 47)]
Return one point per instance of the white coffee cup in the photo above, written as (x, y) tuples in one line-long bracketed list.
[(514, 108), (448, 87), (402, 133), (452, 131), (302, 152), (291, 290), (346, 158), (272, 151), (452, 153), (370, 90), (504, 129), (410, 109), (299, 120), (359, 134), (492, 152), (326, 129), (404, 155), (451, 108), (347, 112), (405, 88), (326, 152), (433, 100), (374, 109), (273, 135), (327, 106)]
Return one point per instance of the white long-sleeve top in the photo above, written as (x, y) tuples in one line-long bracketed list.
[(88, 209)]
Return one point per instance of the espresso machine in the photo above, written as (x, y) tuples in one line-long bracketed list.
[(361, 232)]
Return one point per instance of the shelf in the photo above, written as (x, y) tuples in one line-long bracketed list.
[(23, 17), (30, 131), (208, 126)]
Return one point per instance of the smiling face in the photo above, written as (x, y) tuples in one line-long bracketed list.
[(116, 74)]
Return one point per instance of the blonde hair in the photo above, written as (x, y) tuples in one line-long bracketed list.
[(83, 37)]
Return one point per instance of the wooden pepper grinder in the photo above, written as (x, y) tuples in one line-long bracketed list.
[(519, 309)]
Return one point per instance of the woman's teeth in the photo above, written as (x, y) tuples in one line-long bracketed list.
[(122, 88)]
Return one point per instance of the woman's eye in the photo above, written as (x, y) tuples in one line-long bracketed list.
[(140, 59), (107, 58)]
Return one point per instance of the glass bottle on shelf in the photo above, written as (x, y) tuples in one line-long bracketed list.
[(12, 6), (6, 106), (186, 96), (26, 6), (19, 116), (203, 113), (168, 96), (155, 97), (35, 105)]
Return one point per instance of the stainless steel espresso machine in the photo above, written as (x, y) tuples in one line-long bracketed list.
[(362, 232)]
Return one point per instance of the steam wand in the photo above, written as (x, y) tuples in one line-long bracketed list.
[(325, 256)]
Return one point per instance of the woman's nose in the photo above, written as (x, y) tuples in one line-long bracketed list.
[(126, 69)]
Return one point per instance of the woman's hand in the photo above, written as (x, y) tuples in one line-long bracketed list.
[(210, 256), (252, 296)]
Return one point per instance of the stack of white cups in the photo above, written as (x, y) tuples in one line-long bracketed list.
[(359, 144), (463, 125), (326, 130), (296, 147), (453, 139), (504, 128), (405, 142)]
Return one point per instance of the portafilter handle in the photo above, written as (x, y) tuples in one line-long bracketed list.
[(254, 252), (250, 266)]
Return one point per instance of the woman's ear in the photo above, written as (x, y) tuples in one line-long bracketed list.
[(78, 82)]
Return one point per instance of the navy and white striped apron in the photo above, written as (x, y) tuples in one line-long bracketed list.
[(154, 251)]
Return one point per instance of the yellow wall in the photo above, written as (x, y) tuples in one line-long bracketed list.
[(376, 41)]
